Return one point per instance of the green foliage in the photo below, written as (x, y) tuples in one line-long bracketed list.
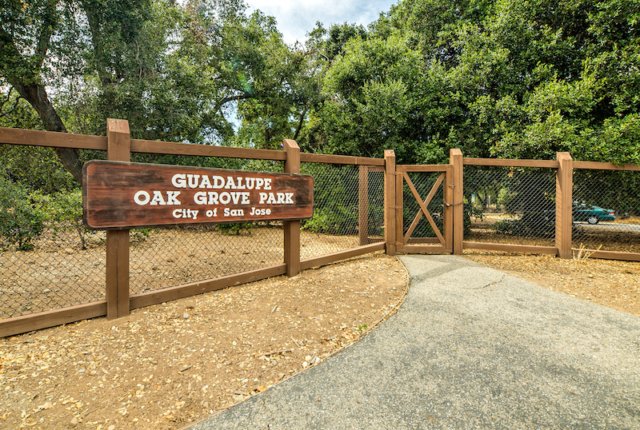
[(235, 228), (64, 213), (140, 234), (506, 196), (22, 218), (35, 168), (493, 77)]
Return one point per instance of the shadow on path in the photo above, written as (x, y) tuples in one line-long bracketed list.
[(470, 348)]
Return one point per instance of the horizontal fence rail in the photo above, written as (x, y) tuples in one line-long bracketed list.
[(14, 136), (362, 205), (124, 270)]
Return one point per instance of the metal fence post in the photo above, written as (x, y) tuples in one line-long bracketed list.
[(292, 228), (117, 279), (390, 201), (455, 160), (564, 206)]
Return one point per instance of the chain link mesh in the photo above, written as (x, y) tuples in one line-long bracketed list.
[(423, 233), (606, 210), (509, 205), (171, 256), (50, 263), (335, 223)]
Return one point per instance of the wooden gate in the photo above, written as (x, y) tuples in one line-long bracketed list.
[(436, 208)]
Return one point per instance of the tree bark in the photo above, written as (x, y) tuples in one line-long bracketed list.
[(304, 114), (37, 97)]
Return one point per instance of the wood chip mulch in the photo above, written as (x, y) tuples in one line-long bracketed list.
[(168, 365), (615, 284)]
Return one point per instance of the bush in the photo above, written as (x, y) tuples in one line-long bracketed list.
[(234, 228), (22, 218), (64, 212)]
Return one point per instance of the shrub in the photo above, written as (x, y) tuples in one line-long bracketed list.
[(22, 218), (64, 212)]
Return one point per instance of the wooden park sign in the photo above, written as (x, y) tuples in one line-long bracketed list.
[(119, 195)]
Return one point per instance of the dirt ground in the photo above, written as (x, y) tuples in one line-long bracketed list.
[(615, 284), (59, 274), (168, 365), (591, 237)]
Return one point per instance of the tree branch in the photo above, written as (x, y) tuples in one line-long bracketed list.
[(231, 99), (45, 33), (304, 114), (15, 104)]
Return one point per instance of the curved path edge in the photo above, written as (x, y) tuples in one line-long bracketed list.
[(470, 348)]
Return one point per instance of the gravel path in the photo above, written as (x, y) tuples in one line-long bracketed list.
[(470, 348)]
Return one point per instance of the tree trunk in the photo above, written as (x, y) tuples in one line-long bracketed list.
[(36, 95)]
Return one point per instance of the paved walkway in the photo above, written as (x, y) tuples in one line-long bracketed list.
[(471, 348)]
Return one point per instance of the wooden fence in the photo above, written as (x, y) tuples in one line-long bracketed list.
[(565, 168), (119, 147)]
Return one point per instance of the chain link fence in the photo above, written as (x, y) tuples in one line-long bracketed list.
[(48, 260), (423, 232), (337, 193), (606, 210), (510, 205), (171, 256)]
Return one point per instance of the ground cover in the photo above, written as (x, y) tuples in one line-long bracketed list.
[(615, 284), (621, 236), (167, 365), (57, 273)]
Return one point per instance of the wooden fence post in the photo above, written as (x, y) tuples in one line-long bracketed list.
[(390, 201), (363, 205), (455, 160), (292, 228), (117, 279), (447, 211), (564, 204)]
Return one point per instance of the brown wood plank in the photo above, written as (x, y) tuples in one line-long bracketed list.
[(390, 202), (415, 240), (292, 228), (117, 270), (424, 249), (175, 148), (363, 204), (110, 190), (511, 248), (603, 166), (16, 136), (398, 208), (447, 211), (111, 278), (509, 163), (342, 255), (564, 208), (426, 202), (40, 320), (340, 159), (456, 162), (610, 255), (424, 208), (426, 168), (192, 289)]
